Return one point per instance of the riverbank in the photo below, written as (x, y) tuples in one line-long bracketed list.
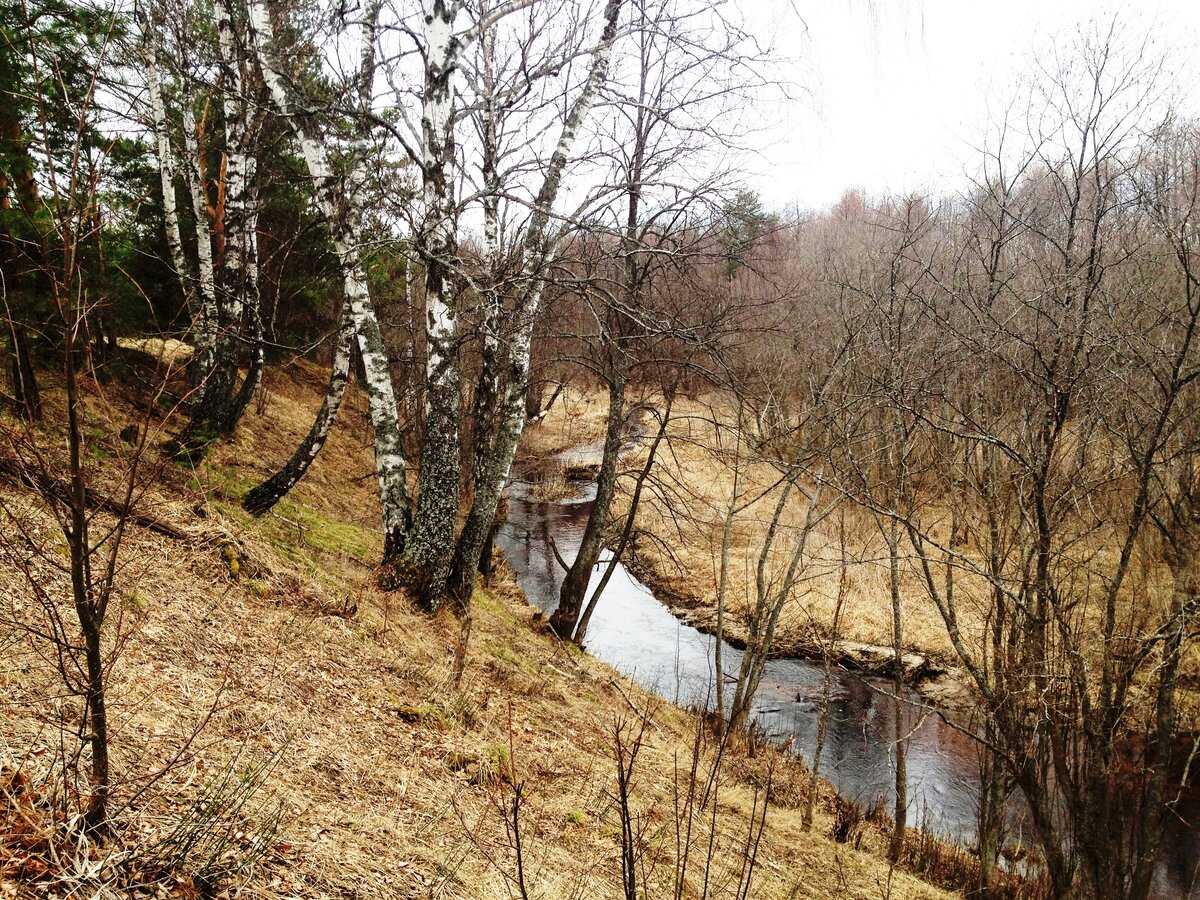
[(308, 729), (945, 687), (674, 550)]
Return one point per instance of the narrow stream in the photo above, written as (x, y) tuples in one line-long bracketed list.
[(637, 635)]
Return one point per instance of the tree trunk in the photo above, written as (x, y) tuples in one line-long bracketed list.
[(389, 456), (89, 606), (575, 585), (630, 517), (167, 169), (26, 394), (220, 402), (266, 495), (425, 566), (251, 305), (494, 456), (900, 815), (207, 315)]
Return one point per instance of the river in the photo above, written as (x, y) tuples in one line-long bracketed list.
[(637, 635)]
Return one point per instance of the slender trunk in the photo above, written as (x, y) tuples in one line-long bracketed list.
[(89, 607), (630, 518), (27, 396), (1160, 758), (266, 495), (207, 317), (900, 815), (252, 304), (494, 456), (722, 590), (991, 812), (427, 557), (487, 392), (389, 456), (215, 411), (827, 680), (478, 528), (166, 170), (723, 581), (575, 583), (757, 641)]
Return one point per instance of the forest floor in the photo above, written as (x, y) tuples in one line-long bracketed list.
[(282, 728)]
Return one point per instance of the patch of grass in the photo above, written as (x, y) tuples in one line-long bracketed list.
[(507, 655), (257, 587), (301, 522), (224, 482), (136, 603)]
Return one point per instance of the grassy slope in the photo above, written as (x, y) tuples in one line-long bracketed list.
[(390, 780)]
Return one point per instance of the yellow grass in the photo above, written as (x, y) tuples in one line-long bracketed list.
[(267, 640)]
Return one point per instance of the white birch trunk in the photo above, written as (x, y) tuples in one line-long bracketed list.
[(260, 499), (537, 255), (426, 562), (206, 320), (166, 171), (389, 457)]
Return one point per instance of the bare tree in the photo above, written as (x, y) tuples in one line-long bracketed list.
[(685, 65), (1064, 454)]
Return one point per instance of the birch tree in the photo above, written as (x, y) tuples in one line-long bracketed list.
[(234, 319), (343, 220), (495, 457), (263, 497)]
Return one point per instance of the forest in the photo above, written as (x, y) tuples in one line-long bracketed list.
[(376, 372)]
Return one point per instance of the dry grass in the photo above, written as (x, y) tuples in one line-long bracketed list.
[(266, 640), (682, 520)]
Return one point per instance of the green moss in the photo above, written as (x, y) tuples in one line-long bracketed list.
[(136, 602), (575, 817), (488, 602), (507, 655), (296, 522), (233, 559), (257, 587)]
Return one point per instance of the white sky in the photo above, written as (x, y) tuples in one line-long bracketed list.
[(897, 92)]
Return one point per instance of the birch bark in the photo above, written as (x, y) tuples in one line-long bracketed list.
[(389, 456), (426, 562), (266, 495), (206, 321), (167, 170), (536, 257)]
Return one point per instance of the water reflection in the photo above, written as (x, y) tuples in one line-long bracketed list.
[(639, 637)]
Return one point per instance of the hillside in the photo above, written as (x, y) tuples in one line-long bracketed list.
[(282, 728)]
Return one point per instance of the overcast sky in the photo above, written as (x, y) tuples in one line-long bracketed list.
[(895, 93)]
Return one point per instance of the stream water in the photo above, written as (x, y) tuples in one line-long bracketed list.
[(637, 635)]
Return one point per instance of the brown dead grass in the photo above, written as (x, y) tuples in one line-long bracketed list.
[(267, 640), (685, 512), (681, 520)]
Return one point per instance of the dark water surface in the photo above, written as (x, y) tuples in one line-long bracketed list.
[(637, 635)]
